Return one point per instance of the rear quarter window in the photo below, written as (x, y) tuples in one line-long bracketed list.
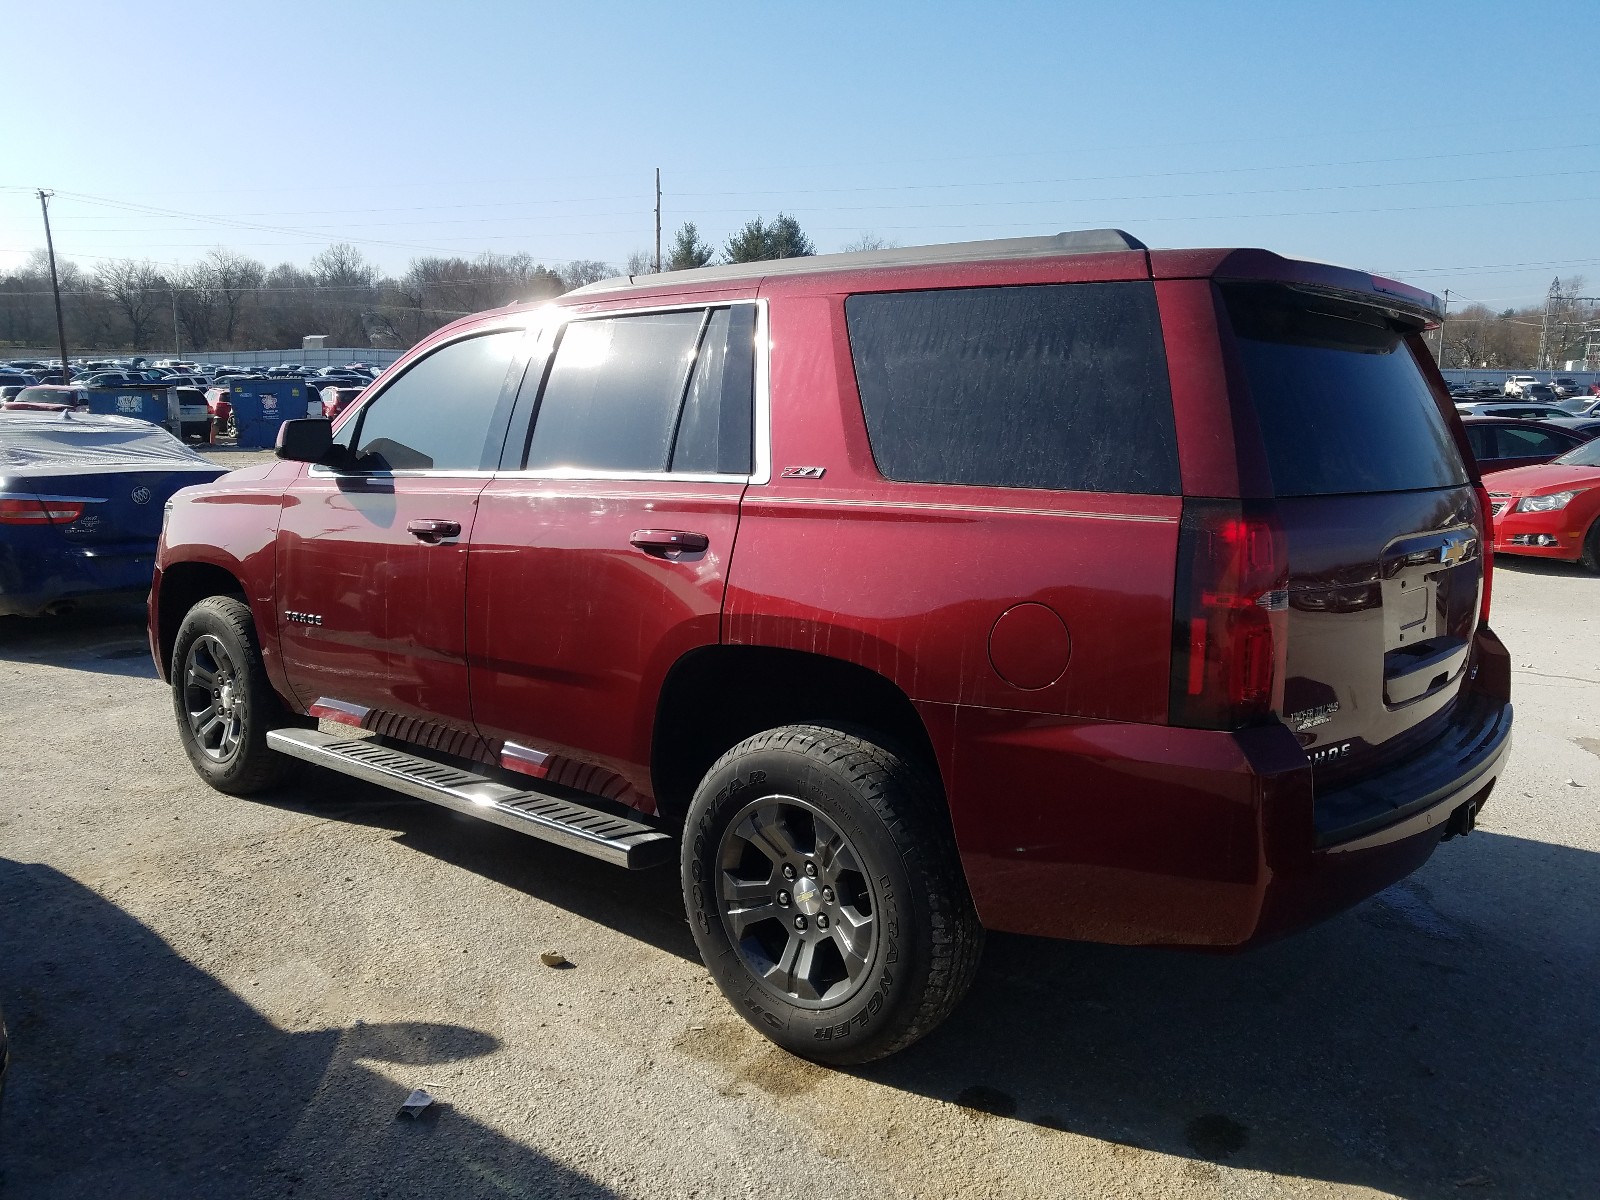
[(1342, 403), (1060, 386)]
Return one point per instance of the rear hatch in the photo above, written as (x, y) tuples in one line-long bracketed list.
[(1381, 525)]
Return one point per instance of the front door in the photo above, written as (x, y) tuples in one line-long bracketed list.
[(372, 556), (601, 558)]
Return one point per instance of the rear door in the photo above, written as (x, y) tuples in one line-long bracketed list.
[(601, 556), (372, 558), (1382, 525)]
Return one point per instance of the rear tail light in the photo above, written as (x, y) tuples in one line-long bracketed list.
[(40, 510), (1230, 614), (1485, 549)]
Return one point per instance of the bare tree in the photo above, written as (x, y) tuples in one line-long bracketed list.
[(137, 290), (235, 281), (869, 241), (581, 271)]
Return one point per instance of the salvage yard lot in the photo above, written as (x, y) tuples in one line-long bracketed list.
[(219, 997)]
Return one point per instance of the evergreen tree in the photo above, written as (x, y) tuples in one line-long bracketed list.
[(758, 241), (687, 250)]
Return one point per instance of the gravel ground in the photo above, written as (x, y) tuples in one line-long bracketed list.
[(220, 997)]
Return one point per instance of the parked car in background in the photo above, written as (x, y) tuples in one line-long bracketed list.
[(49, 396), (81, 503), (1565, 386), (1512, 408), (9, 391), (219, 405), (1515, 383), (336, 399), (1539, 393), (1552, 510), (967, 494), (16, 379), (1500, 443)]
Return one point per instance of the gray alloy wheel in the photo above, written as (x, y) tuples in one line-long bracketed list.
[(214, 698), (796, 902)]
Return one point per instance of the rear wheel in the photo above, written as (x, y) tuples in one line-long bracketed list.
[(825, 894), (223, 702)]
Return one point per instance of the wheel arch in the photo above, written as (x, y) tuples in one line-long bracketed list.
[(183, 585), (716, 696)]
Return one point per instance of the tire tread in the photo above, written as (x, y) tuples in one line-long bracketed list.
[(891, 783)]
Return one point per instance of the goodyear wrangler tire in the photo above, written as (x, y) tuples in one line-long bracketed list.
[(825, 894)]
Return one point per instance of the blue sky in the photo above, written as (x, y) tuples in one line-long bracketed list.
[(1454, 145)]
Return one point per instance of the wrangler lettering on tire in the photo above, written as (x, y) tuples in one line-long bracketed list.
[(826, 895)]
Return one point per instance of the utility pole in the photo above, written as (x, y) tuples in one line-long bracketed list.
[(658, 220), (1443, 312), (177, 346), (55, 283)]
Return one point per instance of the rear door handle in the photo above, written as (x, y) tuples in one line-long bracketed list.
[(432, 531), (660, 541)]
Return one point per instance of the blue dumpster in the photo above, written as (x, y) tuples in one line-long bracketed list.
[(158, 405), (261, 405)]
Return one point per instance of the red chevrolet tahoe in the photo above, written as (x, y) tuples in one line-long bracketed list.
[(1051, 585)]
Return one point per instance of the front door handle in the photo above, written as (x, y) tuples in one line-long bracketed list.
[(662, 541), (432, 531)]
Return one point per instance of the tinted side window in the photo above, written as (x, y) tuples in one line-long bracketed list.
[(611, 398), (1058, 386), (714, 431), (1481, 439), (1525, 443), (439, 414)]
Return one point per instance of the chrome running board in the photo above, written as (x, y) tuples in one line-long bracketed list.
[(616, 840)]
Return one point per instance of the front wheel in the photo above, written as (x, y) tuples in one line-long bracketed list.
[(223, 701), (1590, 558), (825, 893)]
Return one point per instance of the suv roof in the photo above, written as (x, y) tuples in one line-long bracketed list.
[(1240, 263)]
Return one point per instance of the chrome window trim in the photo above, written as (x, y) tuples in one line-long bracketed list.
[(550, 321)]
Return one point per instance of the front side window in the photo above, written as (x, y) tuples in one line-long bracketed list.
[(1060, 386), (438, 416)]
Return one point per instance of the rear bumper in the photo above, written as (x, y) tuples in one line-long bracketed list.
[(32, 578), (1141, 834)]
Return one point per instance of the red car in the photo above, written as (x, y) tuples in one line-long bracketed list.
[(219, 406), (1550, 511), (336, 399), (1052, 585)]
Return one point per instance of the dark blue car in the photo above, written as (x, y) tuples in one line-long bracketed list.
[(82, 498)]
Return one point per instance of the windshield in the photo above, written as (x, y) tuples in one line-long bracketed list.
[(1586, 455)]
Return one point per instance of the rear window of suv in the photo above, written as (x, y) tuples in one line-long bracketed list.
[(1060, 386), (1342, 403)]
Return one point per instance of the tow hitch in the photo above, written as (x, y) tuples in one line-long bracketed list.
[(1463, 821)]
